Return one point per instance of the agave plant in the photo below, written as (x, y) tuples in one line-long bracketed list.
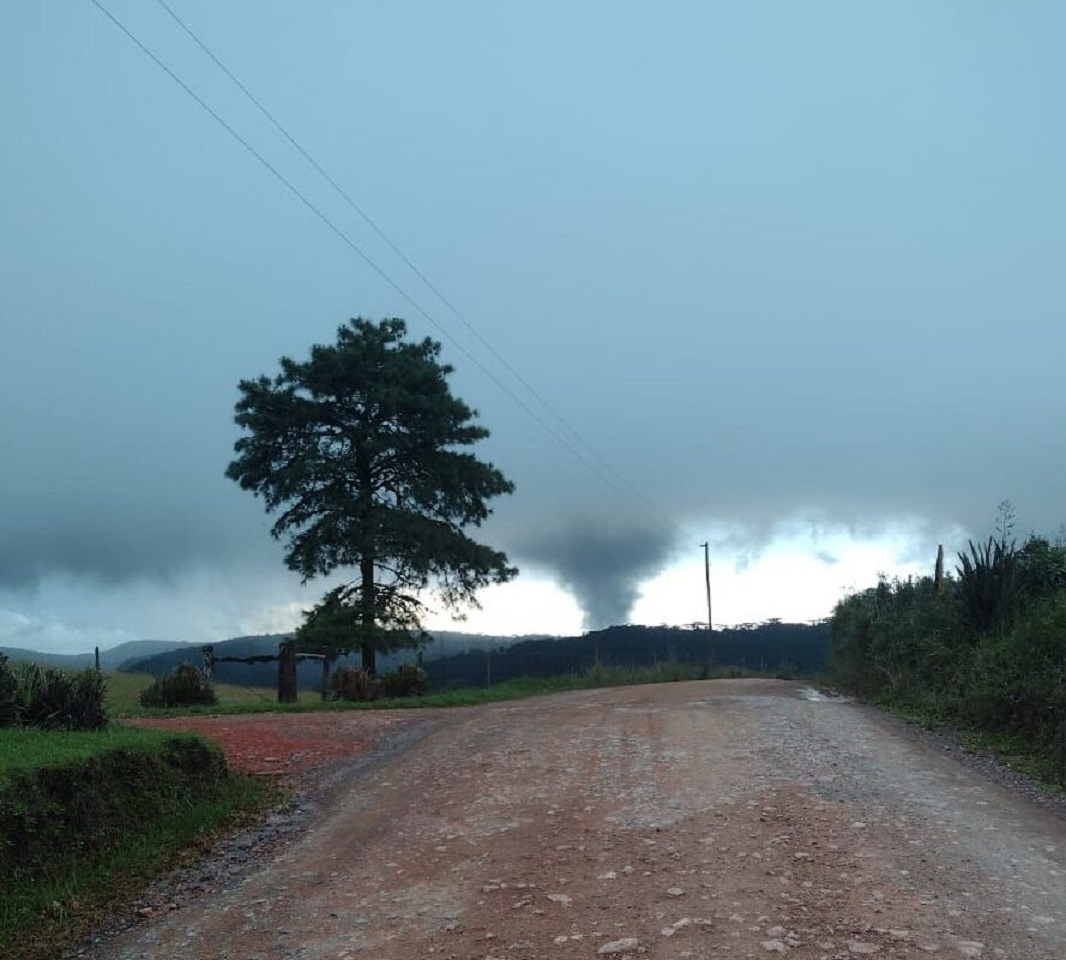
[(988, 584)]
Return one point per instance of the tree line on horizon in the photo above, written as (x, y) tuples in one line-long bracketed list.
[(771, 647)]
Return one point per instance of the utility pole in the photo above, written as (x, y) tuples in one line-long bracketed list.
[(710, 623)]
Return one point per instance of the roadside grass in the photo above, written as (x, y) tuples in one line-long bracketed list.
[(47, 909), (1042, 764), (234, 699), (23, 750)]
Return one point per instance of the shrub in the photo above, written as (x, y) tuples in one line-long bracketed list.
[(36, 696), (988, 584), (184, 686), (1041, 568), (351, 683), (10, 702), (407, 680)]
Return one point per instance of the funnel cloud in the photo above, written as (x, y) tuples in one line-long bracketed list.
[(603, 564)]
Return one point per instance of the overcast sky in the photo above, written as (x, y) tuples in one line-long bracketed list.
[(792, 271)]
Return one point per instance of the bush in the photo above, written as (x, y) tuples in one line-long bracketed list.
[(988, 584), (407, 680), (10, 702), (184, 686), (351, 683), (45, 697)]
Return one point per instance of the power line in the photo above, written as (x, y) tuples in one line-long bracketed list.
[(631, 494), (355, 248)]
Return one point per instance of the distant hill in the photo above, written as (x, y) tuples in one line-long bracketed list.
[(445, 643), (114, 658), (111, 659), (248, 674), (66, 661)]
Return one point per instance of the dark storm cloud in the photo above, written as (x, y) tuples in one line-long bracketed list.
[(109, 550), (602, 561), (768, 274)]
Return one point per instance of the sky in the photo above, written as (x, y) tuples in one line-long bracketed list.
[(782, 278)]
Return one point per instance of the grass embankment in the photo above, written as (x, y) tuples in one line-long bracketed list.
[(85, 818)]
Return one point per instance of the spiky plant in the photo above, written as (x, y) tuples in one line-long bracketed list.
[(988, 584)]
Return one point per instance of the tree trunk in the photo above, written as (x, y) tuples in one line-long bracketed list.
[(369, 645)]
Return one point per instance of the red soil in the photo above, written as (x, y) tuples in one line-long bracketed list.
[(276, 744)]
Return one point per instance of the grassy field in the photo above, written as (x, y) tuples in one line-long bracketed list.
[(123, 690)]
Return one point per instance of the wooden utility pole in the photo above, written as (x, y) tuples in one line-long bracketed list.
[(710, 622)]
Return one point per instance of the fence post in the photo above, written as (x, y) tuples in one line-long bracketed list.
[(287, 691), (326, 664)]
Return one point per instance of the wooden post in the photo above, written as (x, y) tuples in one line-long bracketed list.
[(938, 575), (287, 690), (326, 664), (97, 659), (710, 622)]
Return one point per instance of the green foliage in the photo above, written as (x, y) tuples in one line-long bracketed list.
[(86, 817), (10, 702), (1041, 568), (335, 626), (184, 686), (354, 684), (989, 654), (988, 584), (892, 636), (49, 698), (359, 452), (407, 680)]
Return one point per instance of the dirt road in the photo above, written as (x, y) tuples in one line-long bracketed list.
[(726, 819)]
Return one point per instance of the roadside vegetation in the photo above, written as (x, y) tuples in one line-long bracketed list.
[(982, 651), (89, 809), (124, 695)]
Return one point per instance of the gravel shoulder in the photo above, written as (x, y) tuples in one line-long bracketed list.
[(710, 819)]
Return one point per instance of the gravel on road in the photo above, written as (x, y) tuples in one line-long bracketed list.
[(727, 819)]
